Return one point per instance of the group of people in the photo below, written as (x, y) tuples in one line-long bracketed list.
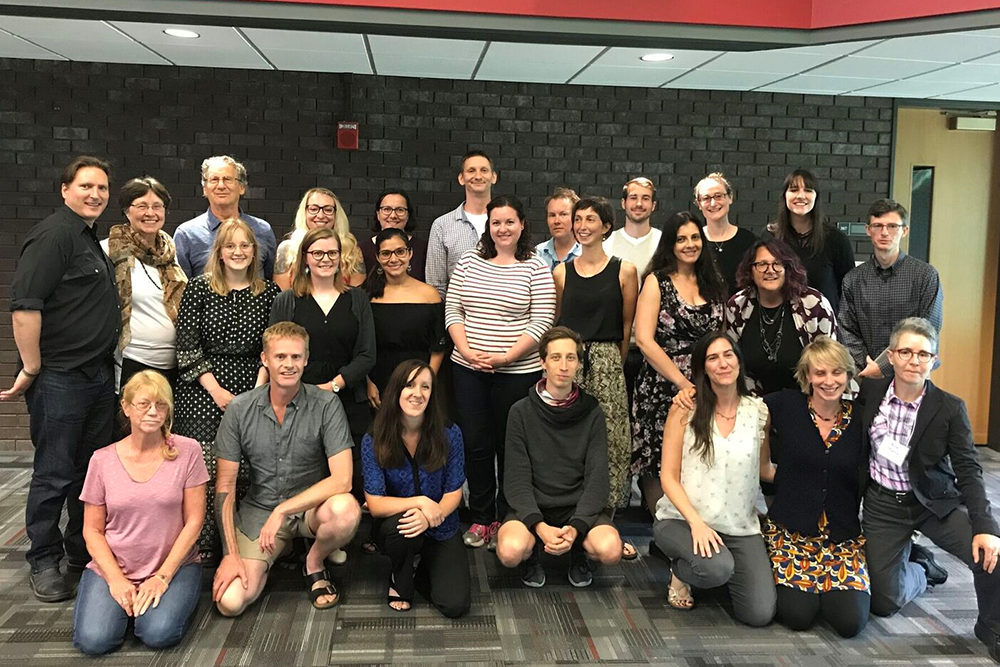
[(270, 392)]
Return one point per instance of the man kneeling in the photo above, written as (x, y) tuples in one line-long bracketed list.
[(296, 440), (556, 471)]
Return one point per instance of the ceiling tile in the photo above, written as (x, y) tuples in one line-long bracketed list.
[(875, 68), (829, 50), (507, 61), (627, 57), (599, 75), (433, 58), (719, 80), (12, 47), (91, 41), (909, 88), (312, 51), (825, 85), (216, 47), (985, 94), (775, 62), (945, 48), (965, 73)]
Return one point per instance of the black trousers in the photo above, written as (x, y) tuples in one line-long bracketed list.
[(443, 574), (845, 611), (484, 401), (633, 362), (889, 523)]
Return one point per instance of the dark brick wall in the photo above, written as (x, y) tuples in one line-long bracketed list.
[(164, 120)]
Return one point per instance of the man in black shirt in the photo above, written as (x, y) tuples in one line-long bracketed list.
[(66, 318)]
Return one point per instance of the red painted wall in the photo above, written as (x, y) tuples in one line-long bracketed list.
[(795, 14)]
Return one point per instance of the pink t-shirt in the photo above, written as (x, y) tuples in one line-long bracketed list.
[(143, 519)]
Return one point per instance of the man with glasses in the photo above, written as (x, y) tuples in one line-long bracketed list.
[(887, 288), (66, 319), (223, 182), (924, 476)]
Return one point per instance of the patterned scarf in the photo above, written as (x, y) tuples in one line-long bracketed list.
[(125, 245), (558, 402)]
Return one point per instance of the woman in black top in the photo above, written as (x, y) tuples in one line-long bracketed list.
[(341, 332), (775, 315), (727, 243), (393, 210), (596, 296), (408, 313), (824, 250), (812, 530)]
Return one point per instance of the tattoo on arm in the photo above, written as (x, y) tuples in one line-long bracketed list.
[(226, 522)]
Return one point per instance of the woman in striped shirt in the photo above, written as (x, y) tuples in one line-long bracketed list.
[(501, 300)]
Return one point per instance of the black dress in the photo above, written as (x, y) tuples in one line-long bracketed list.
[(771, 376), (825, 271), (729, 253), (417, 262), (405, 331)]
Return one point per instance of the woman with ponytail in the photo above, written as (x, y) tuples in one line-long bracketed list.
[(144, 504)]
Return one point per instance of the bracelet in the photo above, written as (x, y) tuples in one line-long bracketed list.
[(30, 374), (163, 578)]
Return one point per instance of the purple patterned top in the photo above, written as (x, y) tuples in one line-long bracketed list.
[(896, 419)]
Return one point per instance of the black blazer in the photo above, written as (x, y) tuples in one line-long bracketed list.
[(943, 464)]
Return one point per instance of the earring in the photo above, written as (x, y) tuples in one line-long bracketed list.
[(307, 270), (409, 269), (378, 270)]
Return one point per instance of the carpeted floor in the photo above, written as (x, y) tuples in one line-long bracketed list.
[(622, 619)]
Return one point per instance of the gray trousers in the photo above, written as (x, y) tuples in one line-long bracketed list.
[(742, 565), (888, 526)]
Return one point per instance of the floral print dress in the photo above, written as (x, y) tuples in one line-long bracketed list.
[(678, 327)]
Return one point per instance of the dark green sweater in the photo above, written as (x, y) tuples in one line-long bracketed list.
[(556, 458)]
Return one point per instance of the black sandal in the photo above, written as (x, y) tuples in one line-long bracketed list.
[(369, 547), (626, 553), (390, 598), (316, 593)]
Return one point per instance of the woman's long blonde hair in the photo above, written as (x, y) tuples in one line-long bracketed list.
[(158, 390), (350, 253), (302, 281), (216, 270)]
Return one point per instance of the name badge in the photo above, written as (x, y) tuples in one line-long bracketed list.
[(893, 451)]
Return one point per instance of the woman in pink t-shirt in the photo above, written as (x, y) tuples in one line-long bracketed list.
[(144, 504)]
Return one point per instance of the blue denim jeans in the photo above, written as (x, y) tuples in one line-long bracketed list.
[(71, 414), (99, 624)]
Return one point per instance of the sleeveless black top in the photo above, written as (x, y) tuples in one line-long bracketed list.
[(593, 306)]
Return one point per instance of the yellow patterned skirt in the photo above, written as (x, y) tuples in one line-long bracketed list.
[(815, 563)]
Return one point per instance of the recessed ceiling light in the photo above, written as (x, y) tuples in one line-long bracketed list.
[(183, 34), (656, 57)]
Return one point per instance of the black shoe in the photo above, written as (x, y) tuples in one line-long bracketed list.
[(581, 572), (991, 639), (532, 572), (48, 585), (922, 556), (73, 574)]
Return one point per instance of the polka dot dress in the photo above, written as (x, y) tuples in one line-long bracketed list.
[(221, 335)]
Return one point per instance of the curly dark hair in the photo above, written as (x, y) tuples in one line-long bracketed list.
[(710, 283), (795, 273), (487, 248)]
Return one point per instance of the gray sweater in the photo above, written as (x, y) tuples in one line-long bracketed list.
[(556, 458)]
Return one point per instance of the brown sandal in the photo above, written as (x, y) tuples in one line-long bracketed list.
[(629, 552), (679, 599), (316, 593)]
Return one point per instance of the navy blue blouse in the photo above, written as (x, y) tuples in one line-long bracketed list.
[(398, 482)]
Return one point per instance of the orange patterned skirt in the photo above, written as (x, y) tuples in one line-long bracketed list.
[(815, 563)]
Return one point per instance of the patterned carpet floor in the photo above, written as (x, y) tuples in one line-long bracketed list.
[(622, 619)]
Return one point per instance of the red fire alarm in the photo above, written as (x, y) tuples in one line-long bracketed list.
[(347, 135)]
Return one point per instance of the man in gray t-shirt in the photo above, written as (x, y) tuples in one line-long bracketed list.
[(296, 440)]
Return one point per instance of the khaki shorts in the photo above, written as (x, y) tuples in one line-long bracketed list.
[(294, 526)]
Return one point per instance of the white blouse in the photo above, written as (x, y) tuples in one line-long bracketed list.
[(724, 490)]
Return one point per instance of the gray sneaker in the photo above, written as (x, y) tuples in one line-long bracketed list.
[(532, 572), (581, 572)]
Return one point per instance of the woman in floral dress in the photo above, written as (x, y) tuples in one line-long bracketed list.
[(682, 299)]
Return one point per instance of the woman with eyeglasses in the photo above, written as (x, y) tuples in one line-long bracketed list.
[(150, 282), (775, 315), (408, 313), (393, 210), (144, 502), (221, 319), (341, 331), (824, 250), (726, 242), (319, 208)]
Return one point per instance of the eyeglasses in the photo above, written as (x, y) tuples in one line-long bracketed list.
[(232, 247), (216, 180), (155, 208), (891, 227), (398, 252), (718, 198), (144, 406), (400, 211), (313, 209), (905, 354), (776, 266), (318, 255)]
